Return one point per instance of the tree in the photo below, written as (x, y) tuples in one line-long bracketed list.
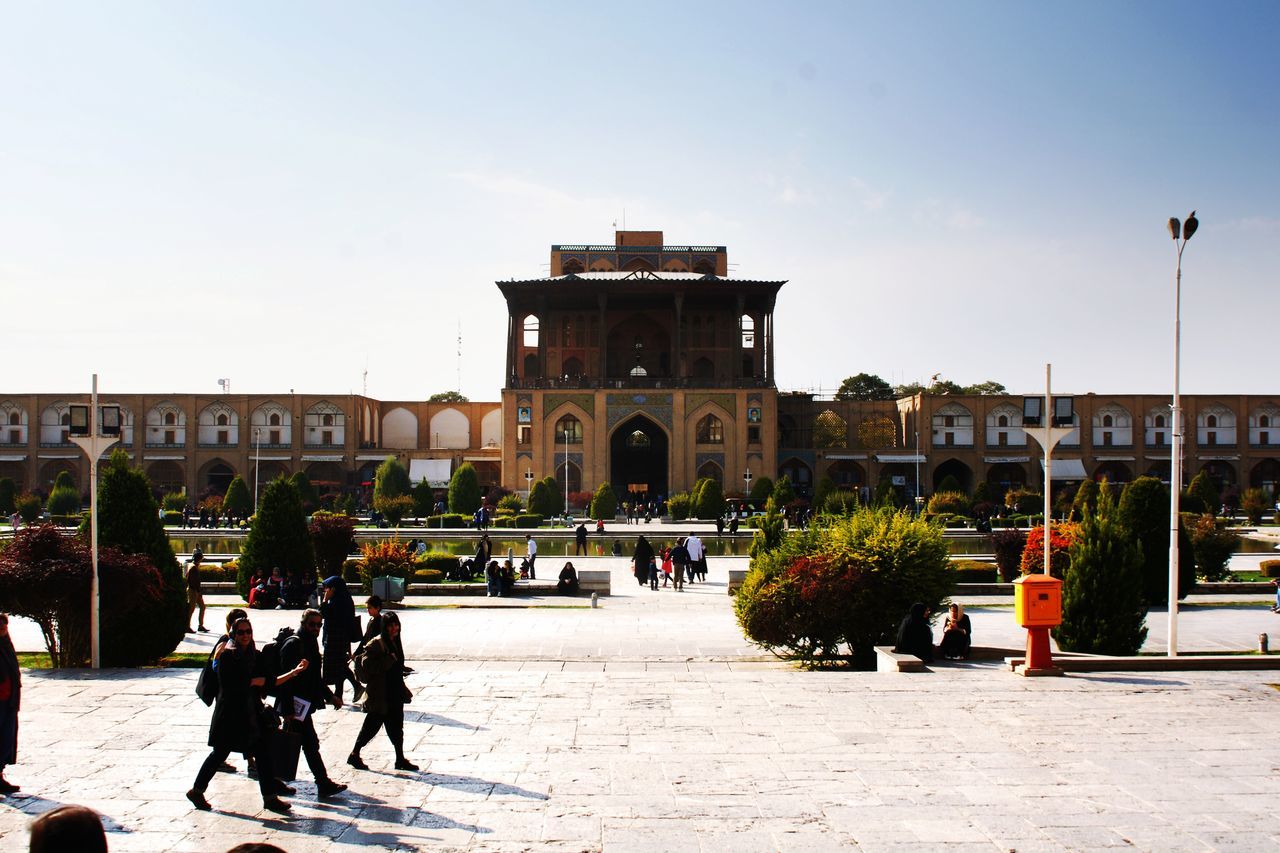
[(1086, 499), (64, 481), (394, 510), (237, 501), (944, 387), (129, 521), (1144, 512), (864, 386), (1253, 503), (424, 499), (986, 389), (448, 397), (604, 504), (542, 499), (770, 533), (464, 490), (783, 493), (8, 492), (391, 480), (306, 492), (63, 500), (333, 539), (556, 489), (711, 500), (908, 389), (1203, 495), (278, 536), (761, 489), (1103, 611), (949, 483), (1212, 543)]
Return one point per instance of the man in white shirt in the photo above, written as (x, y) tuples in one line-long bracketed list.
[(532, 554), (697, 554)]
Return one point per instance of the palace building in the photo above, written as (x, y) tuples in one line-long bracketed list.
[(646, 366)]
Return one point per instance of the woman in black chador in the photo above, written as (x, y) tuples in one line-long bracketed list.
[(387, 694), (915, 637), (341, 629), (641, 559)]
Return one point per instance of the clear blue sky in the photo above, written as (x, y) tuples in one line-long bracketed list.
[(286, 193)]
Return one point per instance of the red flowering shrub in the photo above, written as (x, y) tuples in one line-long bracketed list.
[(1060, 538)]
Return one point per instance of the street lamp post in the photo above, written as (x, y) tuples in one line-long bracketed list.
[(1184, 231), (746, 478), (94, 431), (528, 485), (566, 472), (257, 454)]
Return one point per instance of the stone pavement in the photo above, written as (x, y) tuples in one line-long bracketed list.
[(650, 724)]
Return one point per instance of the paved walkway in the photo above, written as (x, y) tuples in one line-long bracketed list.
[(650, 724)]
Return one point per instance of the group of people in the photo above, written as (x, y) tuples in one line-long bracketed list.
[(683, 562), (281, 591), (915, 636), (265, 699)]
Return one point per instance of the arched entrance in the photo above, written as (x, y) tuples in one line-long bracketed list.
[(1266, 475), (957, 469), (1115, 473), (217, 476), (166, 476), (1003, 476), (638, 458)]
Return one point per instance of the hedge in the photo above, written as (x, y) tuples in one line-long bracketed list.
[(975, 571), (1269, 568), (449, 519), (172, 519), (428, 575), (434, 561), (529, 519), (504, 521)]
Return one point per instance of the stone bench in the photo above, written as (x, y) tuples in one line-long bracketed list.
[(736, 577), (887, 660), (598, 581)]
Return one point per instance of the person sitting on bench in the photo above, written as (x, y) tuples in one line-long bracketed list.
[(568, 583)]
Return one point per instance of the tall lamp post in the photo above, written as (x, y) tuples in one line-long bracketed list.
[(257, 454), (528, 485), (94, 430), (1180, 232), (566, 472), (746, 478)]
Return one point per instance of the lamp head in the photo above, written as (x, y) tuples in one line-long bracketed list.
[(1175, 227), (1190, 226)]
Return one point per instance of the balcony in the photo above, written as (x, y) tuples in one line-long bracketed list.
[(216, 445), (164, 445), (318, 446), (51, 445), (625, 383), (263, 446)]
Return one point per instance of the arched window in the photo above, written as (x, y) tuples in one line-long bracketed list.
[(1212, 422), (1263, 421), (274, 419), (66, 419), (830, 430), (531, 330), (748, 332), (1159, 424), (222, 420), (638, 440), (170, 419), (573, 265), (14, 420), (327, 420), (1108, 421), (712, 471), (570, 425), (710, 430), (1002, 421)]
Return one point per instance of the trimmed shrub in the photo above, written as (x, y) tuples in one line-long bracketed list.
[(1269, 568), (711, 499), (974, 571), (351, 571), (1254, 504), (505, 521), (278, 536), (387, 558), (512, 502), (1212, 544), (434, 561), (1085, 500), (1102, 600), (428, 575), (174, 501), (64, 480), (529, 519), (450, 519), (394, 509), (604, 504), (333, 539), (1202, 496), (1008, 545), (464, 490), (1060, 539), (391, 480), (949, 483), (237, 501), (846, 583), (761, 491), (542, 498), (953, 502), (171, 518), (306, 492), (840, 502), (1023, 502), (1144, 512), (677, 505), (424, 499), (63, 500)]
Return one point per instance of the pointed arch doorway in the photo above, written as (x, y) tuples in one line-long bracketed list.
[(638, 459)]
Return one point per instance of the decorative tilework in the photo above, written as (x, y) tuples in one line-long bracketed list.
[(586, 402), (622, 406), (724, 401), (703, 458)]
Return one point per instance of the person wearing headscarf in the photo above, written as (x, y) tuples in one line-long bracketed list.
[(915, 637), (641, 558), (957, 635), (10, 699), (568, 582), (384, 708), (341, 629)]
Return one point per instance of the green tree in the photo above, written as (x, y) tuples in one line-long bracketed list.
[(604, 503), (424, 499), (448, 397), (944, 387), (1212, 543), (542, 498), (783, 493), (63, 500), (556, 494), (306, 492), (464, 490), (1103, 611), (237, 501), (864, 386), (1085, 500), (908, 389), (949, 483), (761, 489), (129, 520), (1202, 495), (391, 480), (986, 389), (770, 533), (8, 491), (1144, 512), (825, 487), (711, 500), (64, 481), (278, 536)]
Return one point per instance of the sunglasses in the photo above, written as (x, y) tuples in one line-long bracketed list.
[(243, 631)]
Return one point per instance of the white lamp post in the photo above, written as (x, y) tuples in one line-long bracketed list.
[(528, 485), (566, 472), (94, 431), (1049, 429), (257, 454), (1184, 231)]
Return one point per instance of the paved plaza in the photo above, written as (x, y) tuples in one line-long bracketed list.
[(650, 723)]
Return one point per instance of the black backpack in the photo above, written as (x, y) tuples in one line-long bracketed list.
[(207, 683), (271, 654)]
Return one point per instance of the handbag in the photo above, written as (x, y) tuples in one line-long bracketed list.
[(286, 746), (207, 683)]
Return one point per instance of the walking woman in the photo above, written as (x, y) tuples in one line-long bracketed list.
[(387, 693), (340, 631), (640, 560), (10, 698), (241, 723)]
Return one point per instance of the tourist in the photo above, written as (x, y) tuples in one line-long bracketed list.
[(211, 675), (241, 723), (679, 563), (580, 540), (493, 579), (568, 582), (10, 700), (915, 637), (507, 578), (956, 634), (309, 687), (532, 550), (373, 607), (484, 552), (383, 665), (666, 567), (696, 552), (640, 560), (719, 526), (68, 829), (195, 595), (341, 629)]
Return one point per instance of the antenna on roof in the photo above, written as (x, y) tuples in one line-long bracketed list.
[(364, 377), (459, 355)]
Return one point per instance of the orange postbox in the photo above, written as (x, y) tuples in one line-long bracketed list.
[(1037, 605)]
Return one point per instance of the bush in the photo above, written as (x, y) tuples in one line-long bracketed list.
[(505, 521), (950, 484), (953, 502), (553, 497), (435, 561), (306, 492), (1008, 545), (1254, 504), (450, 519), (1212, 544), (278, 536), (1202, 496), (604, 504), (424, 499), (387, 558), (770, 532), (1023, 502), (1144, 512), (542, 498), (394, 509), (974, 571), (783, 493), (64, 481), (237, 501), (464, 490), (8, 493), (848, 582), (63, 500), (351, 571), (840, 502), (1102, 598), (172, 519), (174, 501), (391, 480), (333, 539), (1060, 538), (678, 506), (825, 487), (711, 500), (1085, 500), (428, 575), (1269, 568), (761, 491), (511, 502), (46, 577), (529, 519)]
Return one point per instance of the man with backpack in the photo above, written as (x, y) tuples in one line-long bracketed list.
[(309, 687)]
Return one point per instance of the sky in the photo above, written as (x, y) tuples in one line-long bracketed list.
[(317, 196)]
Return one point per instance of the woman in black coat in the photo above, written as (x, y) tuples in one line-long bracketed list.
[(384, 708), (915, 637), (641, 559), (10, 699), (340, 630), (241, 723)]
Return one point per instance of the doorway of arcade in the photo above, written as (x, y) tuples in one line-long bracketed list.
[(638, 460)]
